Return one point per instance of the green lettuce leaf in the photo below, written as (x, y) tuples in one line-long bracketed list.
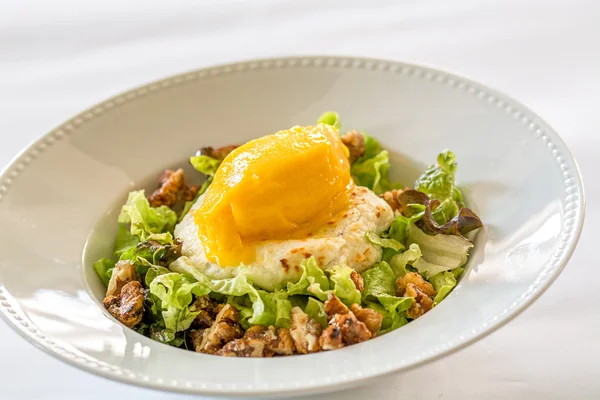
[(444, 282), (399, 262), (384, 242), (330, 118), (267, 308), (438, 180), (153, 272), (104, 268), (378, 280), (313, 281), (153, 252), (316, 310), (146, 221), (125, 240), (343, 286), (372, 147), (391, 319), (380, 294), (399, 229), (439, 252), (372, 172), (397, 232), (205, 164), (175, 292), (447, 210)]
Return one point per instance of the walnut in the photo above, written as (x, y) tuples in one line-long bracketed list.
[(358, 281), (123, 273), (344, 327), (128, 305), (225, 329), (353, 331), (305, 332), (334, 306), (195, 338), (331, 338), (245, 348), (172, 190), (413, 285), (391, 197), (355, 142), (207, 309), (219, 153), (371, 318), (260, 341)]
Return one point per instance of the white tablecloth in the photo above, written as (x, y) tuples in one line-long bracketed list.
[(57, 59)]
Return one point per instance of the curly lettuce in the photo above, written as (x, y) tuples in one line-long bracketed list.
[(175, 293), (315, 309), (147, 222), (104, 268), (205, 164), (330, 118), (444, 282), (342, 285), (439, 252), (372, 172), (438, 180), (268, 308), (380, 294)]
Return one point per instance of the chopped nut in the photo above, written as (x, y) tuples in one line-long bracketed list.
[(207, 309), (331, 338), (353, 331), (172, 189), (334, 306), (413, 285), (245, 348), (195, 338), (358, 281), (305, 332), (344, 327), (225, 329), (219, 153), (391, 197), (123, 273), (371, 318), (128, 305), (260, 342), (355, 142)]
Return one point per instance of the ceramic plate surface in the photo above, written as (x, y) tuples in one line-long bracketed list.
[(60, 197)]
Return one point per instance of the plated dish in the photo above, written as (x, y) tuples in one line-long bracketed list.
[(513, 170), (297, 242)]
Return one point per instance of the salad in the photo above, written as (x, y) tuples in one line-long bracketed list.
[(296, 242)]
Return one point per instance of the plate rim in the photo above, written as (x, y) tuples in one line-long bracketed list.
[(566, 241)]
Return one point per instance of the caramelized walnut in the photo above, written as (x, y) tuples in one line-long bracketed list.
[(305, 332), (358, 281), (219, 153), (391, 197), (413, 285), (128, 305), (225, 329), (355, 142), (260, 342), (172, 190), (371, 318)]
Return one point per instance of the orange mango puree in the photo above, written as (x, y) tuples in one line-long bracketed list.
[(280, 186)]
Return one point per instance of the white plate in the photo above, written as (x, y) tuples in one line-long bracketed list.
[(66, 188)]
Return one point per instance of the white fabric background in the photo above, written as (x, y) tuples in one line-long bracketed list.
[(57, 59)]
